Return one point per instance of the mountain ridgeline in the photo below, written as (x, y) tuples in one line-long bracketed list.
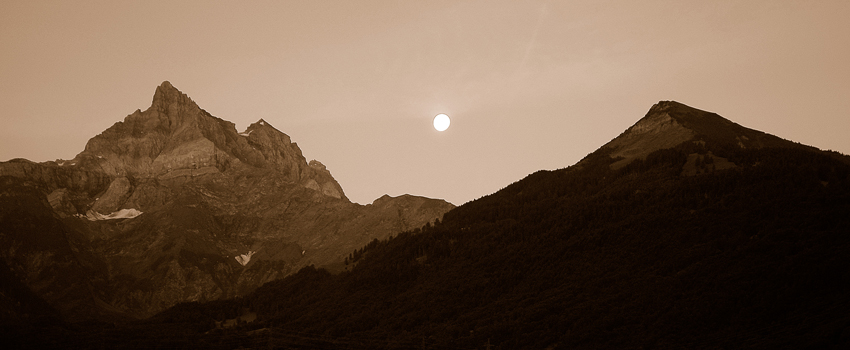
[(686, 231), (174, 205)]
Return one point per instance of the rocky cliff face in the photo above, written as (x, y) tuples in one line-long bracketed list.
[(173, 204), (175, 138)]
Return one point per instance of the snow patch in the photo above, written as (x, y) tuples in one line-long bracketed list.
[(247, 133), (92, 215), (245, 258), (262, 123)]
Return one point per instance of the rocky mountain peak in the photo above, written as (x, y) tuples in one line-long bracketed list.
[(669, 123), (701, 122), (657, 130), (267, 130), (175, 139), (203, 212), (315, 164), (166, 95), (277, 149), (167, 91), (673, 107)]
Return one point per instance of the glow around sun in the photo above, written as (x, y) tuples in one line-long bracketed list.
[(442, 122)]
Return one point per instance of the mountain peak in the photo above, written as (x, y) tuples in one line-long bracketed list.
[(671, 105), (174, 137), (262, 124), (695, 119), (657, 130), (669, 123), (167, 94)]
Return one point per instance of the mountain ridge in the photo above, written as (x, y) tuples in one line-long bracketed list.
[(648, 254), (174, 133), (165, 206)]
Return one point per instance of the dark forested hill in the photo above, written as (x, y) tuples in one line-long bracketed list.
[(598, 258), (699, 240)]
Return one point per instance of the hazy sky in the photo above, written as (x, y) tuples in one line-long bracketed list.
[(529, 85)]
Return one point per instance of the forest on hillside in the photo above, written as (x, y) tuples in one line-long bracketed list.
[(578, 258)]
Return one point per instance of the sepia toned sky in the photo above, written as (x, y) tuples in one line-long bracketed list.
[(529, 85)]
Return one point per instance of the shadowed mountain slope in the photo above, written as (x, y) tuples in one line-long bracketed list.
[(710, 236)]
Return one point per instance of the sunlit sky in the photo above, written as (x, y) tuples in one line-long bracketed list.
[(529, 85)]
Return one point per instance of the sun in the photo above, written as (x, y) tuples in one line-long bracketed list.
[(441, 122)]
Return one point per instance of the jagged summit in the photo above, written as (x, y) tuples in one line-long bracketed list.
[(170, 101), (167, 92), (262, 124), (167, 85), (670, 123), (174, 137)]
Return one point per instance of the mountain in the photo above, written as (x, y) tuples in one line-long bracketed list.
[(669, 124), (173, 205), (686, 231)]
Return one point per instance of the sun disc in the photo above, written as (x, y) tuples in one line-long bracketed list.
[(441, 122)]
